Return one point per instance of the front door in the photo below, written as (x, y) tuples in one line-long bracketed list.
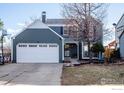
[(71, 50)]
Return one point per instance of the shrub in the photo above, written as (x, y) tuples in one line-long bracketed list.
[(97, 47), (115, 53)]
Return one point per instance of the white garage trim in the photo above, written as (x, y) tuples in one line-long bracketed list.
[(56, 33), (37, 53)]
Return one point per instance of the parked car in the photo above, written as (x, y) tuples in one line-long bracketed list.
[(1, 59)]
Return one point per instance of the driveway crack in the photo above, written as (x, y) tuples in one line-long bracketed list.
[(4, 75), (14, 78)]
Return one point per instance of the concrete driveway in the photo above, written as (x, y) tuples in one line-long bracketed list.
[(31, 74)]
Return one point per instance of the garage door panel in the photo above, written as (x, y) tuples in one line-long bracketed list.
[(38, 54)]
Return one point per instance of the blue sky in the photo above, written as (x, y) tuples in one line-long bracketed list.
[(115, 11), (13, 15)]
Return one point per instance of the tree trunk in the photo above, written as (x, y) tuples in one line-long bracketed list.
[(2, 61)]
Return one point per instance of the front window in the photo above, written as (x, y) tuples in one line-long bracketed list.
[(85, 51), (85, 48), (71, 31)]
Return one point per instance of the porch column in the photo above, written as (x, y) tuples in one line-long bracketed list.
[(78, 51)]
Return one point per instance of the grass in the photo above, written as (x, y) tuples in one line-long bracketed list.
[(93, 75)]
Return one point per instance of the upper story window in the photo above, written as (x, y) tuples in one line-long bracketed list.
[(71, 31), (66, 31)]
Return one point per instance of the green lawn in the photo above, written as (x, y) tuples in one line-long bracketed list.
[(93, 75)]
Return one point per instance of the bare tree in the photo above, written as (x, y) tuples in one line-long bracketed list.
[(108, 35), (1, 24), (85, 16)]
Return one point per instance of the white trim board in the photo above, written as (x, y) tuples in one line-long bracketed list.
[(11, 49), (56, 33), (63, 49), (57, 25)]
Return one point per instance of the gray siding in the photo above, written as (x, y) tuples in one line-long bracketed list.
[(58, 29), (37, 36), (122, 46)]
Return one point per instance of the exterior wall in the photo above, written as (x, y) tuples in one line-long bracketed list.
[(37, 36), (119, 29), (57, 29), (122, 46), (99, 33), (118, 32), (120, 22)]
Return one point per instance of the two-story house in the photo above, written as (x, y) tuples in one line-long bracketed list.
[(50, 41)]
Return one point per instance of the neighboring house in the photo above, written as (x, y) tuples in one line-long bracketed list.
[(49, 41), (112, 45), (119, 29), (121, 43), (119, 34), (6, 49)]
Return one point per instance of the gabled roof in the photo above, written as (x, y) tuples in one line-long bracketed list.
[(120, 23), (38, 24), (66, 21), (121, 20), (121, 34), (56, 21), (112, 43)]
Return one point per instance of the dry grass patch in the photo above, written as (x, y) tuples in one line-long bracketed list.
[(93, 75)]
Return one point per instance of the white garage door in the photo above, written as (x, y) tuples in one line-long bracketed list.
[(37, 53)]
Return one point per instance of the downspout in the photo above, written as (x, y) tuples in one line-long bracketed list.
[(63, 49), (11, 49)]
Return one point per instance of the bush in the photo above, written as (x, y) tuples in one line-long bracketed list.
[(97, 47), (115, 53)]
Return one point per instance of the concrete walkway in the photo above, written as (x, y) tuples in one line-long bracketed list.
[(74, 61), (31, 74)]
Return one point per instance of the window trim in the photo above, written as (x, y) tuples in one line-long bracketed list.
[(67, 34), (22, 45)]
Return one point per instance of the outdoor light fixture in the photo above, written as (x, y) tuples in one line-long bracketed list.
[(114, 24)]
